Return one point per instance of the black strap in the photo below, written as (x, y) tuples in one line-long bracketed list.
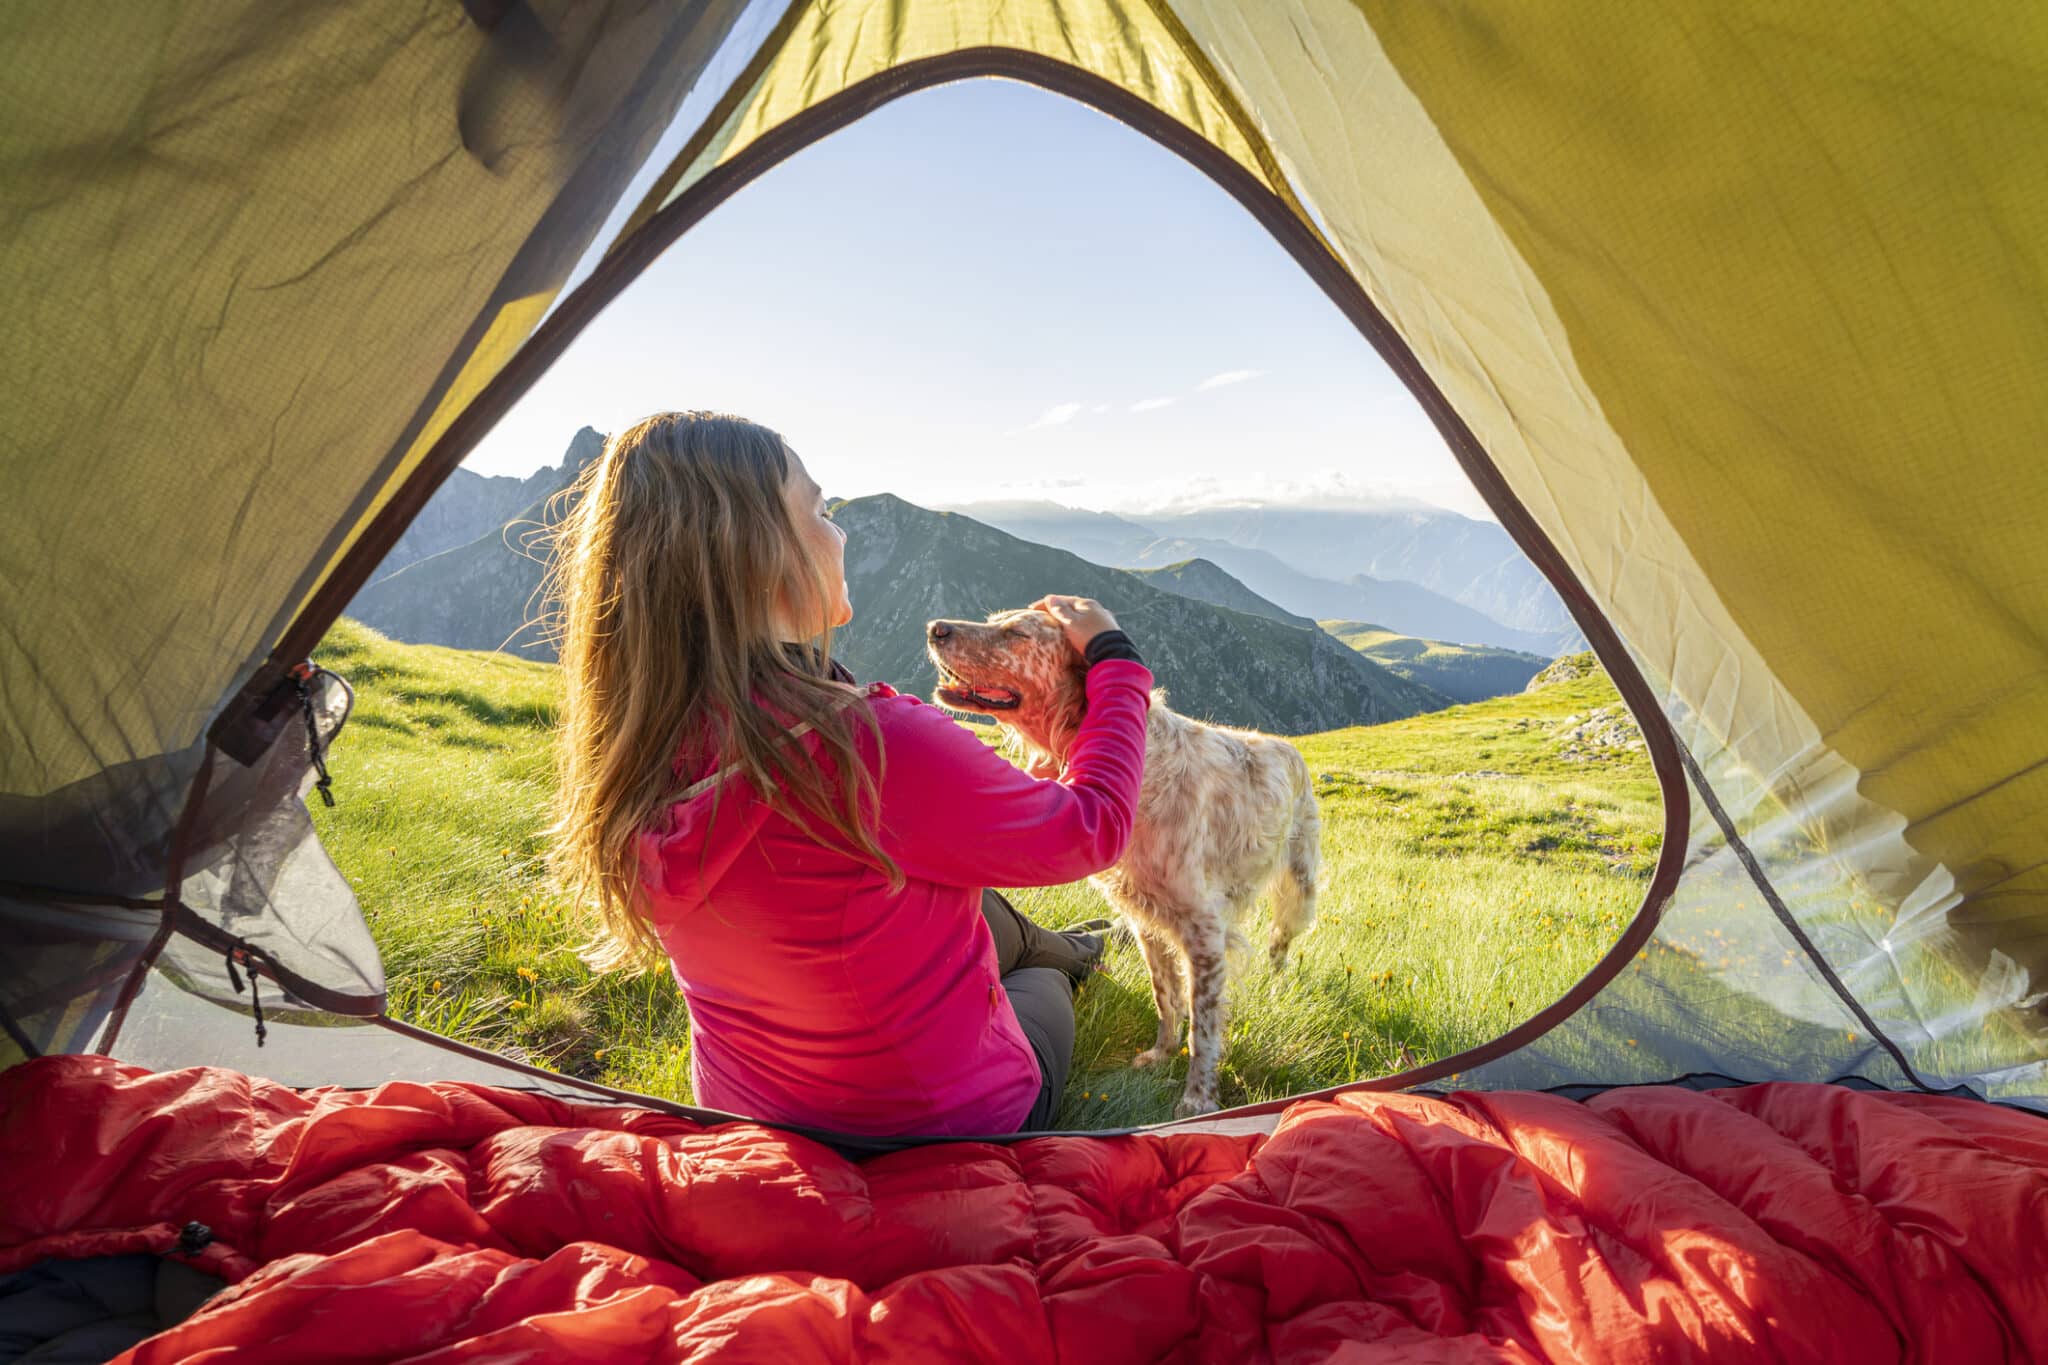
[(1112, 644), (255, 1000), (304, 678)]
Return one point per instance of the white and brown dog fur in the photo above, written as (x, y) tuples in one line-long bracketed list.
[(1222, 814)]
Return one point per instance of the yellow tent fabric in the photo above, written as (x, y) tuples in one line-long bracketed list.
[(1738, 314)]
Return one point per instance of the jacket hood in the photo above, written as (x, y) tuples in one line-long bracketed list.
[(687, 850)]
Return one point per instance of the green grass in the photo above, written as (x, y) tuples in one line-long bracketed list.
[(1471, 874)]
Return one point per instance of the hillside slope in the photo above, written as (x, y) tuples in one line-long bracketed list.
[(1463, 672)]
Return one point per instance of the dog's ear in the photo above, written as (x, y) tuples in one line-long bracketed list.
[(1063, 715)]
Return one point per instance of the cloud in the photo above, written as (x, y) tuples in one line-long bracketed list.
[(1217, 381), (1151, 404), (1057, 415)]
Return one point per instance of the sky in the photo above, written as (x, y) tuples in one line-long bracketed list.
[(988, 291)]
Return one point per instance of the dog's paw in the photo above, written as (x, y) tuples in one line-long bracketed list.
[(1278, 957), (1151, 1056), (1192, 1104)]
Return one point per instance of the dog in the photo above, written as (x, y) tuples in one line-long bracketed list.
[(1222, 814)]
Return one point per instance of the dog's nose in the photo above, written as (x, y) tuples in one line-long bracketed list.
[(938, 630)]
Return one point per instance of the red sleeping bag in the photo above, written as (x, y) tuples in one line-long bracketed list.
[(456, 1222)]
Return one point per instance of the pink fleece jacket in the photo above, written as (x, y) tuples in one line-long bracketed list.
[(817, 995)]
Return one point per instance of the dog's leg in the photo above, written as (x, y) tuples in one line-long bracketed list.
[(1294, 889), (1162, 962), (1204, 940)]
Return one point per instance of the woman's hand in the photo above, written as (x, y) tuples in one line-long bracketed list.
[(1083, 618), (1043, 767)]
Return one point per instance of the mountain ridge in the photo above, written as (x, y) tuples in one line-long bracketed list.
[(1208, 582), (470, 505)]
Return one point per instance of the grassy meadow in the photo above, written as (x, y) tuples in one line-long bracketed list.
[(1476, 862)]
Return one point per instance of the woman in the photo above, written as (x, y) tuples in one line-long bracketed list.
[(809, 855)]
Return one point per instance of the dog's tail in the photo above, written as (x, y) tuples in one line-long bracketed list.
[(1294, 890)]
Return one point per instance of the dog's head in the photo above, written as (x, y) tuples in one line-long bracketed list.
[(1016, 667)]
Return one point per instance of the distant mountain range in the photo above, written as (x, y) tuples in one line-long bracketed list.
[(1461, 672), (1231, 630), (906, 566), (1426, 572), (1469, 561)]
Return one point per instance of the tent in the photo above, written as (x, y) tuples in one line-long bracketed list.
[(1734, 319), (1733, 316)]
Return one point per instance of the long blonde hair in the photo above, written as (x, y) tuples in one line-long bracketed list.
[(671, 566)]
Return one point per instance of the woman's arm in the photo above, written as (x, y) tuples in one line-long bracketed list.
[(955, 811)]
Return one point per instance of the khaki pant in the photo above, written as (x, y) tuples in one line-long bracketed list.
[(1039, 969)]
